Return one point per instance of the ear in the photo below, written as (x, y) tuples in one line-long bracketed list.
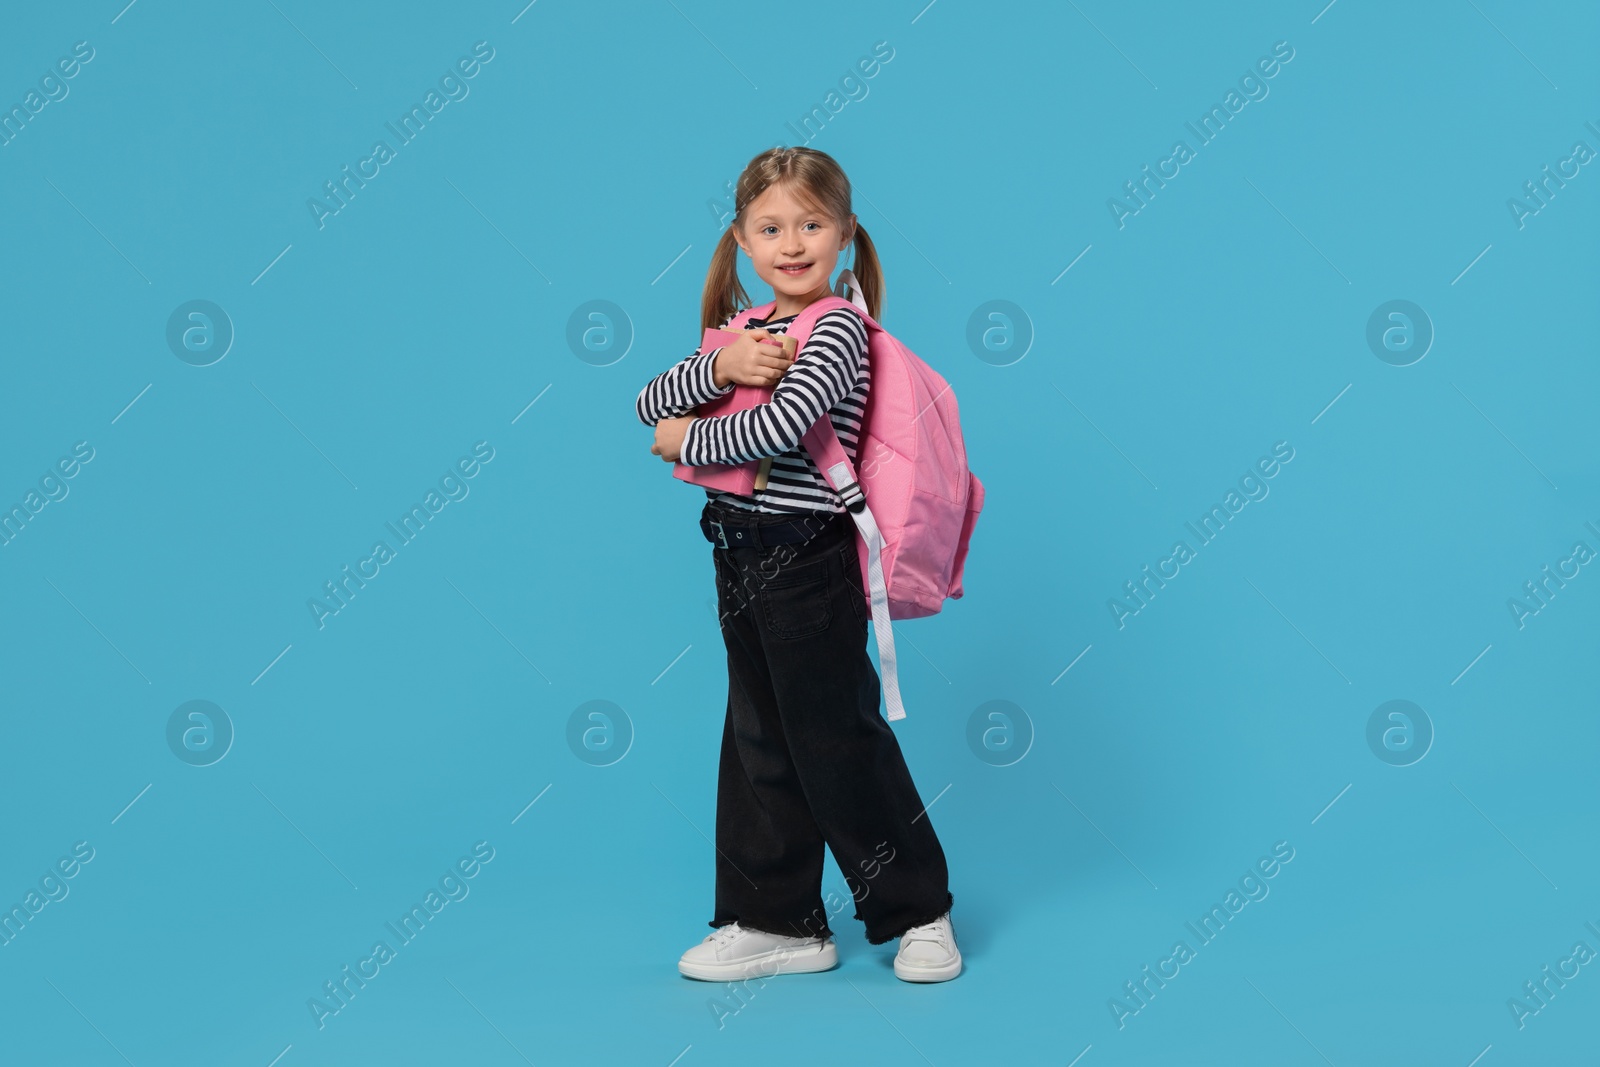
[(849, 233), (738, 236)]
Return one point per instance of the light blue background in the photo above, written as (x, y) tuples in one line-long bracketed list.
[(428, 314)]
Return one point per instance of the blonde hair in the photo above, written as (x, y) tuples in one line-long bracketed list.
[(813, 176)]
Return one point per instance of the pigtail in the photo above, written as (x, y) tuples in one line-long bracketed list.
[(869, 274), (724, 293)]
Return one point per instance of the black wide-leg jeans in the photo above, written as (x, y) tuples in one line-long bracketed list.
[(807, 759)]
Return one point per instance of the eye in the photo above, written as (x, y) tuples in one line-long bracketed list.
[(818, 225)]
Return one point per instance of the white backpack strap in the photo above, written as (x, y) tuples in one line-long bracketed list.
[(840, 475), (822, 441)]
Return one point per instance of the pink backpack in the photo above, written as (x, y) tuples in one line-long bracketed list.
[(914, 501)]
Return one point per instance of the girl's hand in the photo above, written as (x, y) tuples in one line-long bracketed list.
[(756, 358), (669, 437)]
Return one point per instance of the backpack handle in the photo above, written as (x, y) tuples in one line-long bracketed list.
[(850, 289)]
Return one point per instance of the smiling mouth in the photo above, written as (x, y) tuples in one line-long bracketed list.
[(795, 268)]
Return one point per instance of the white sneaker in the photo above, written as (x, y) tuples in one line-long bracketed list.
[(732, 952), (928, 953)]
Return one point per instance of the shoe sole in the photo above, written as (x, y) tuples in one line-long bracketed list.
[(779, 961), (927, 974)]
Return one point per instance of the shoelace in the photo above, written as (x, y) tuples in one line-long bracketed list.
[(935, 931), (722, 935)]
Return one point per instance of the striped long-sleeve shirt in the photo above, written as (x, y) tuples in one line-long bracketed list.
[(830, 374)]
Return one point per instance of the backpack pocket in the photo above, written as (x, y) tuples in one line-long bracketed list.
[(974, 505)]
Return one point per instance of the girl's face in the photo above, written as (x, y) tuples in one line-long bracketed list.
[(794, 247)]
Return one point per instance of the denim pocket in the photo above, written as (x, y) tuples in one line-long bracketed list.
[(722, 587), (797, 600), (731, 599)]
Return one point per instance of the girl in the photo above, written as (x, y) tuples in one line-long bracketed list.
[(806, 759)]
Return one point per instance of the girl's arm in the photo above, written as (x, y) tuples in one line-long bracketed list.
[(678, 389), (824, 371)]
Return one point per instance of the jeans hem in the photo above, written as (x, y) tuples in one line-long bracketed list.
[(921, 920), (770, 928)]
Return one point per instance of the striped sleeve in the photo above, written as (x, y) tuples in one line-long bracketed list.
[(676, 390), (827, 368)]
